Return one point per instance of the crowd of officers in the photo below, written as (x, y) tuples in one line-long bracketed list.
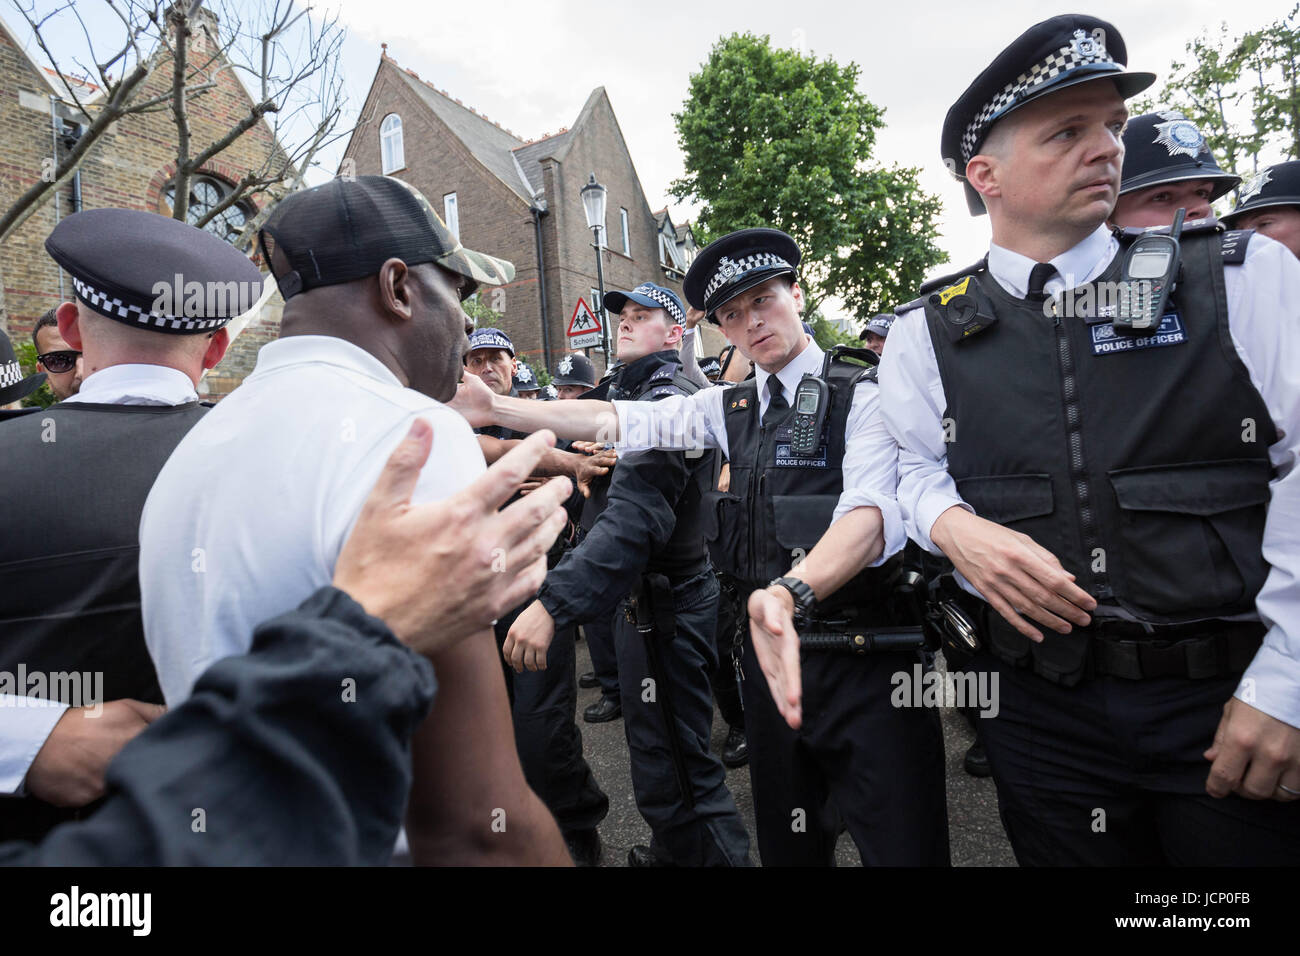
[(1098, 521)]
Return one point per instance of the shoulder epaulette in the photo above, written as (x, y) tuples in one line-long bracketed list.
[(1193, 227), (950, 278), (1233, 248)]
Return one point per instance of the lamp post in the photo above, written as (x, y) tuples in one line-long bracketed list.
[(593, 202)]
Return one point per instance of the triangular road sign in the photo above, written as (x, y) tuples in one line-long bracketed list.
[(584, 321)]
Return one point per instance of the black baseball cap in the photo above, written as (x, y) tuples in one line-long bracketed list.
[(347, 228)]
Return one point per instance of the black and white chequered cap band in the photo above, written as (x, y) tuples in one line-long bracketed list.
[(11, 373), (654, 292), (731, 269), (114, 307), (1082, 50)]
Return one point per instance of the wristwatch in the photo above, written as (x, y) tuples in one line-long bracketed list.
[(804, 598)]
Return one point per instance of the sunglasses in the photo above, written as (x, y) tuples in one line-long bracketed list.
[(64, 360)]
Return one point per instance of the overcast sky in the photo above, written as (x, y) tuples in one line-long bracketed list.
[(531, 65)]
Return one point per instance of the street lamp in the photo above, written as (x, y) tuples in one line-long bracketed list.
[(593, 201)]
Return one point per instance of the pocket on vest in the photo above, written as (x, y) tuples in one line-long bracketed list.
[(1191, 534), (1006, 499), (724, 524), (799, 521)]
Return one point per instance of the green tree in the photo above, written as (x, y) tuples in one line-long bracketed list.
[(775, 138), (483, 315), (43, 397), (1242, 91)]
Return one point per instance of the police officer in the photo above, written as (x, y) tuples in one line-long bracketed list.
[(880, 767), (647, 541), (77, 476), (875, 331), (1109, 488), (525, 381), (711, 368), (14, 385), (1167, 166), (574, 375), (1269, 203), (543, 705)]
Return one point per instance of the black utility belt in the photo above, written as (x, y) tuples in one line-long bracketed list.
[(1228, 650), (868, 639), (1206, 649)]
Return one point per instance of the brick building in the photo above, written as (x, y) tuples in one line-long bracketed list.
[(520, 200), (131, 166)]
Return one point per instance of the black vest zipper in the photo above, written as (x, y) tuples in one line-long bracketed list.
[(1078, 470), (757, 526)]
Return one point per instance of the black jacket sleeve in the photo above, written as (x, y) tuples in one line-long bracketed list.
[(295, 753), (639, 518)]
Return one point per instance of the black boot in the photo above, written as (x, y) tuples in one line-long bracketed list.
[(735, 752), (603, 710)]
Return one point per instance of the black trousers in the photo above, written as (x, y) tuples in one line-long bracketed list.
[(726, 690), (711, 832), (543, 705), (600, 642), (1111, 773), (879, 766)]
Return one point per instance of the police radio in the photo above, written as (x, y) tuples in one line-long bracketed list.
[(1148, 275), (811, 400)]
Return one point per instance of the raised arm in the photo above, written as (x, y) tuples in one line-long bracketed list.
[(579, 420)]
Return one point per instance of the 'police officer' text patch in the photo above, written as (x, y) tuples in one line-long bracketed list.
[(783, 457), (1106, 341)]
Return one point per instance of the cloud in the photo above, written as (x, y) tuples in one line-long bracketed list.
[(531, 66)]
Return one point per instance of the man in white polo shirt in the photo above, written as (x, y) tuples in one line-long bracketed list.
[(249, 514)]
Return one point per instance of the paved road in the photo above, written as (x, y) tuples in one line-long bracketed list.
[(976, 834)]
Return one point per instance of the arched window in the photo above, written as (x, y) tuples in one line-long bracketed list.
[(390, 143), (205, 193)]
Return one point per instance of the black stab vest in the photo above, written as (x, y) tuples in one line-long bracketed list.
[(778, 506), (76, 478), (1141, 463), (685, 554)]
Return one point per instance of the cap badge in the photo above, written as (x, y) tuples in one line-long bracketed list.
[(1180, 136), (1088, 46), (727, 268), (567, 365), (523, 373), (1254, 185)]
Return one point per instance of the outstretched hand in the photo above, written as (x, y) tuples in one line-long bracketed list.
[(776, 644)]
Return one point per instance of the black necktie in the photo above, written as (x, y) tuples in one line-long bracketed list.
[(1038, 276), (777, 406)]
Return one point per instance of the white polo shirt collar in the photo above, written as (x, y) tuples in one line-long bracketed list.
[(321, 350)]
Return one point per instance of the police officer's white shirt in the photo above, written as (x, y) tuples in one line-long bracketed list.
[(1263, 296), (26, 722), (698, 420), (249, 514), (136, 385)]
